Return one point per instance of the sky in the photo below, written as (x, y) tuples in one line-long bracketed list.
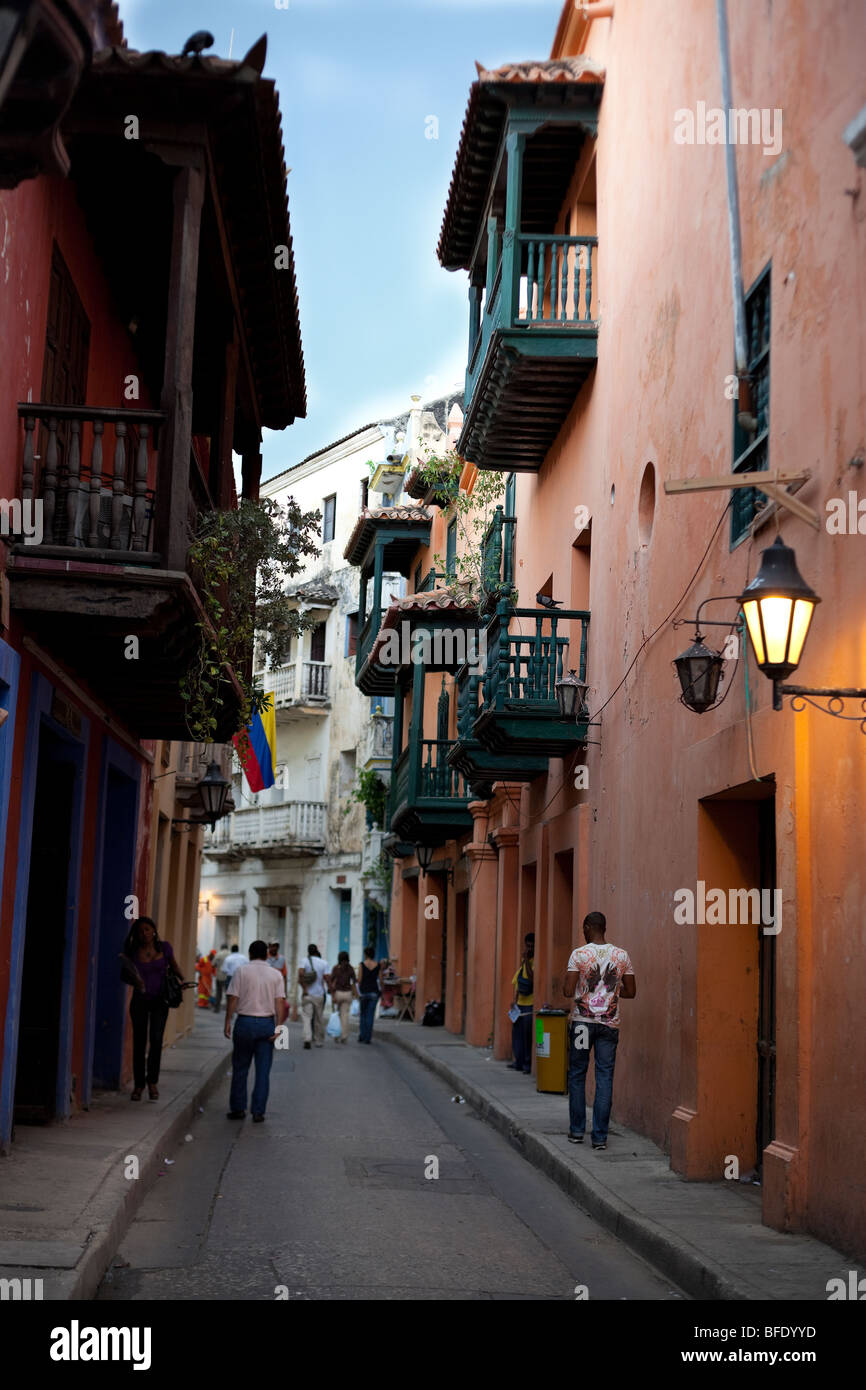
[(358, 81)]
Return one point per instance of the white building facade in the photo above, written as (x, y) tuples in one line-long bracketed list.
[(297, 863)]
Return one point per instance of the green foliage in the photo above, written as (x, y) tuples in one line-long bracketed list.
[(474, 513), (383, 873), (370, 792), (240, 561)]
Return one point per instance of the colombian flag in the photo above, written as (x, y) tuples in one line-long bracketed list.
[(256, 748)]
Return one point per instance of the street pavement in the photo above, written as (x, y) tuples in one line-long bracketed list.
[(328, 1199)]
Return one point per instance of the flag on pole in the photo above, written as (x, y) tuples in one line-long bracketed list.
[(256, 748)]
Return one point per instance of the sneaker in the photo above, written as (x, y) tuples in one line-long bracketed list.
[(600, 1146), (236, 1114), (512, 1066), (576, 1139), (258, 1119)]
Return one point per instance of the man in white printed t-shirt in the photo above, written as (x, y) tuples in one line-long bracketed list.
[(599, 975), (311, 978)]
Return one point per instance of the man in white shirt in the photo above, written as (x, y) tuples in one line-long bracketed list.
[(231, 963), (257, 997), (311, 978)]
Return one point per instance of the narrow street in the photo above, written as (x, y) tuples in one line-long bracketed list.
[(329, 1199)]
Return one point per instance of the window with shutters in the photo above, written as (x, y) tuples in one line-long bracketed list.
[(451, 551), (317, 643), (329, 514), (351, 634), (751, 446)]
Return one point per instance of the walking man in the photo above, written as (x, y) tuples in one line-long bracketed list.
[(311, 977), (277, 959), (234, 958), (257, 996), (599, 975)]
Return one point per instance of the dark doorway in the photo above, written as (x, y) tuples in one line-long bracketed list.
[(461, 954), (118, 854), (45, 942), (766, 1127)]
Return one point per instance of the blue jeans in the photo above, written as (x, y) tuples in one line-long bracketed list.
[(251, 1041), (521, 1039), (604, 1040), (368, 1013)]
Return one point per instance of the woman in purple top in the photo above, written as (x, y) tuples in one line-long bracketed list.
[(148, 1009)]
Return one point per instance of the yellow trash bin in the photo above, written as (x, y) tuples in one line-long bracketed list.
[(551, 1050)]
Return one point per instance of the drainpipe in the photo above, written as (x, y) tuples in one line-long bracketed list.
[(733, 197)]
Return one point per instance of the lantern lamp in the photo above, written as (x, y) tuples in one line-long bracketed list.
[(213, 789), (778, 607), (570, 696), (424, 855), (699, 670)]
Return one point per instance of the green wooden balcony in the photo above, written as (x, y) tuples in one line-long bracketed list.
[(528, 651), (384, 541), (531, 349), (482, 766), (428, 797)]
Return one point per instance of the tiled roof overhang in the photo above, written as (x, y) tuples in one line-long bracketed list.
[(456, 610), (241, 111), (550, 85), (373, 519)]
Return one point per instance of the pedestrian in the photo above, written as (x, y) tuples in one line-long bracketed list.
[(311, 978), (277, 960), (148, 1008), (220, 980), (234, 958), (256, 999), (368, 993), (388, 982), (343, 985), (205, 981), (521, 1027), (599, 975)]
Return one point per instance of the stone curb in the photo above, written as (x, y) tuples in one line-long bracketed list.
[(120, 1199), (695, 1273)]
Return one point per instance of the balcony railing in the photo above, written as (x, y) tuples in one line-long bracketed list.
[(292, 823), (523, 668), (94, 487), (429, 797), (283, 683), (314, 682), (554, 290)]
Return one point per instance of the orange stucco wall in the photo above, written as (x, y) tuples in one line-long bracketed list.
[(670, 795)]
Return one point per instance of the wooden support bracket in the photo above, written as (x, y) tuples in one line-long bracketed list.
[(773, 484)]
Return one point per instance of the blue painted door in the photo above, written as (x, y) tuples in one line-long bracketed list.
[(345, 919), (118, 862)]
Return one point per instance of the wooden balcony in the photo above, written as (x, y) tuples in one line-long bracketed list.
[(90, 569), (531, 349), (287, 830), (429, 799), (518, 714), (481, 766), (384, 541)]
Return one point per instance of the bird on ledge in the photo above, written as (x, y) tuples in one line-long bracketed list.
[(197, 43), (547, 602)]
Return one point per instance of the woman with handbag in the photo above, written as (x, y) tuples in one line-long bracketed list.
[(344, 987), (161, 987)]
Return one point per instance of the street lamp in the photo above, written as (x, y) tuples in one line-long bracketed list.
[(778, 606), (213, 790), (699, 671), (570, 696), (424, 855)]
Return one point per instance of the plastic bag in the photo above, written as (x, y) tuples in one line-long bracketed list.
[(355, 1009), (334, 1029)]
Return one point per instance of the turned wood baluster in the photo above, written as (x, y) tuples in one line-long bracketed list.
[(118, 485), (563, 279), (73, 483), (27, 459), (95, 482), (539, 284), (531, 309), (49, 483), (588, 280), (139, 501)]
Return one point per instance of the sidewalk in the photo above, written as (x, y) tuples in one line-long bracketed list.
[(707, 1237), (65, 1203)]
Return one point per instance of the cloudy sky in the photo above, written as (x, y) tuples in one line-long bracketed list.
[(358, 81)]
